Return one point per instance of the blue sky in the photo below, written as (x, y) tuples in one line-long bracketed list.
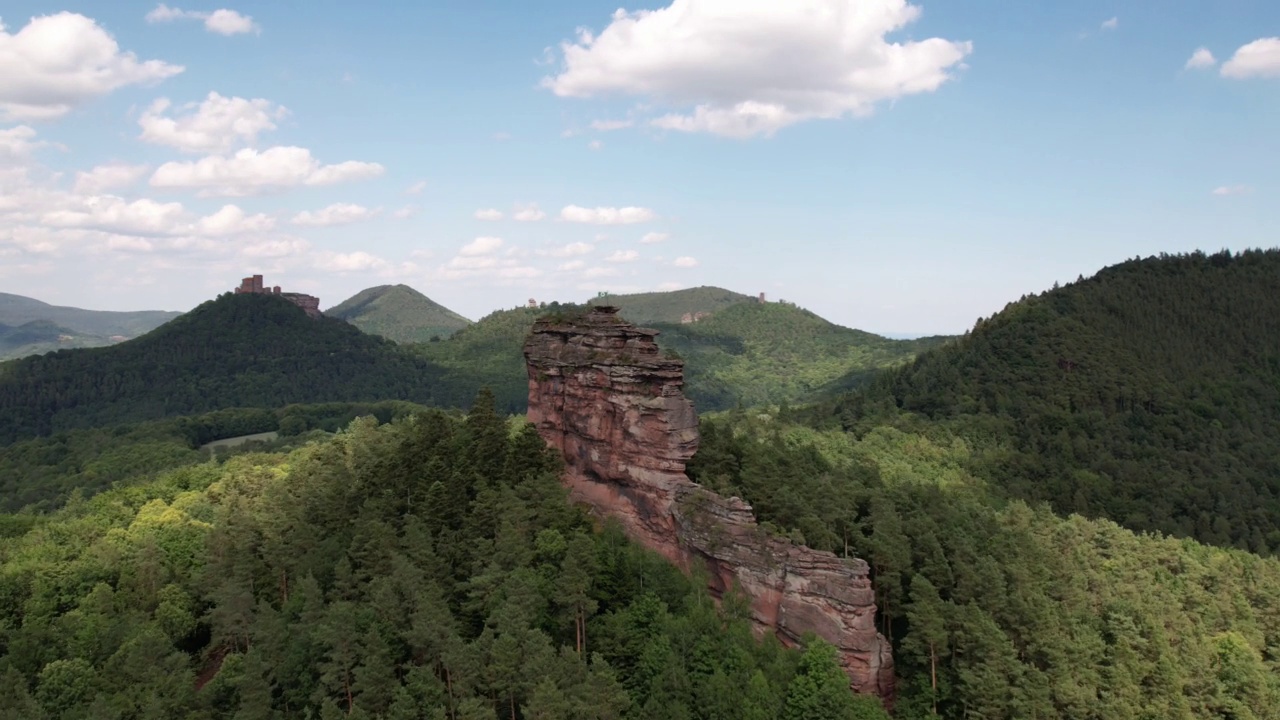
[(896, 168)]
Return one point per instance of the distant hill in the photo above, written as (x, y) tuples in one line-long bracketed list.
[(235, 351), (745, 353), (670, 307), (41, 336), (399, 313), (1148, 394), (17, 310)]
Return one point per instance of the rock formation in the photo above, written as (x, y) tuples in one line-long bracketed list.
[(602, 394)]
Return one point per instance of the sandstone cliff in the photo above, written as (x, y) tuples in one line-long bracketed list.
[(601, 392)]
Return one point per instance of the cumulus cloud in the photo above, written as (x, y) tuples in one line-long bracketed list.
[(416, 188), (595, 145), (1110, 24), (606, 215), (653, 238), (231, 220), (1258, 59), (335, 214), (599, 272), (104, 178), (481, 246), (622, 256), (685, 262), (146, 217), (222, 21), (58, 62), (1232, 190), (528, 213), (752, 67), (250, 172), (17, 143), (572, 265), (358, 261), (488, 214), (1201, 58), (405, 212), (216, 125)]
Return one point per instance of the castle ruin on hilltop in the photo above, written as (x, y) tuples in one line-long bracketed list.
[(310, 304)]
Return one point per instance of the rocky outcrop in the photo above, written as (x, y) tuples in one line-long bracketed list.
[(602, 393)]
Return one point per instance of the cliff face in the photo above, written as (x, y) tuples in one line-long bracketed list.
[(601, 393)]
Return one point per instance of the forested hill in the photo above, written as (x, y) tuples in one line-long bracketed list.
[(19, 310), (746, 354), (1148, 394), (671, 306), (399, 313), (235, 351)]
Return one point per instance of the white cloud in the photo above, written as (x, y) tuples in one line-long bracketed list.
[(276, 248), (250, 172), (1201, 58), (606, 215), (608, 125), (231, 220), (108, 177), (595, 145), (1232, 190), (599, 272), (622, 256), (18, 142), (222, 21), (405, 212), (481, 246), (58, 62), (751, 67), (572, 265), (570, 250), (528, 213), (1110, 24), (336, 214), (1260, 58), (216, 125), (488, 214), (669, 286), (685, 262), (653, 237), (416, 188), (358, 261)]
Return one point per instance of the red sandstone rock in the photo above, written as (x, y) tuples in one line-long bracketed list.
[(603, 395)]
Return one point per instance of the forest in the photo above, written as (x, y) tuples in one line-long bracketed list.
[(426, 568), (1147, 394)]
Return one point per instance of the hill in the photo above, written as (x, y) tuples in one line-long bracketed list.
[(18, 310), (746, 353), (399, 313), (41, 336), (1148, 394), (670, 307), (235, 351)]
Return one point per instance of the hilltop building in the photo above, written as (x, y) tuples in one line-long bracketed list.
[(310, 304)]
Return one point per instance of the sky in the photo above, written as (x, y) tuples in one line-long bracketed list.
[(896, 167)]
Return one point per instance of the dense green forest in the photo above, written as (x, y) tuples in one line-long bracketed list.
[(1003, 609), (235, 351), (426, 569), (746, 354), (1148, 394), (41, 336), (399, 313), (671, 306), (756, 354), (40, 474)]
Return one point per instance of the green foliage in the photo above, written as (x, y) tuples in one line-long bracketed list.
[(399, 313), (422, 568), (671, 306), (236, 351), (41, 336), (1147, 394), (1000, 609)]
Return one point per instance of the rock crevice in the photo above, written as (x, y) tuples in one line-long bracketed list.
[(602, 393)]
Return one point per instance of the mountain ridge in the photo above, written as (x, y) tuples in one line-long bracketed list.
[(399, 313)]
